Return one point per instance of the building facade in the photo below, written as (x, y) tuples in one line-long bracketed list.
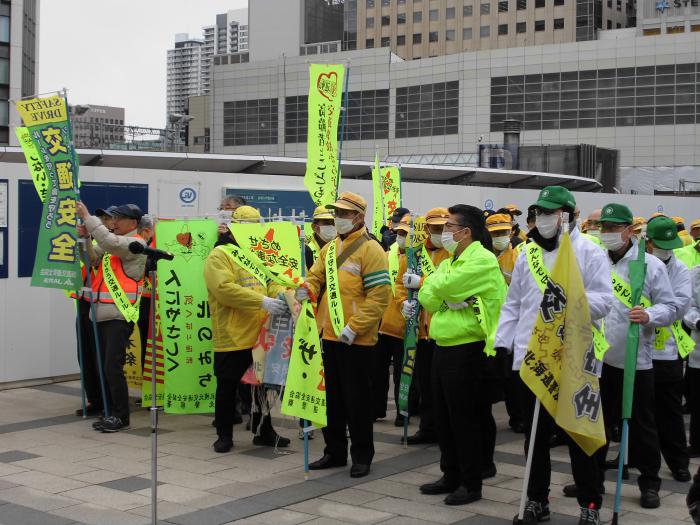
[(668, 16), (185, 65), (19, 47), (228, 35), (98, 127)]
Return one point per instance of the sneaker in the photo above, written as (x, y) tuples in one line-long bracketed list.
[(535, 512), (589, 516), (271, 440), (114, 424), (223, 444), (97, 425)]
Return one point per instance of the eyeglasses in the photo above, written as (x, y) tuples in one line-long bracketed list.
[(545, 211)]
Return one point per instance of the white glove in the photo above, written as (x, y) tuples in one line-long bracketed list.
[(274, 306), (301, 294), (347, 335), (457, 306), (411, 280), (408, 308)]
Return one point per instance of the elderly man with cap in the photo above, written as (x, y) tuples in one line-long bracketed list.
[(516, 323), (389, 233), (695, 229), (669, 342), (116, 289), (350, 278), (238, 300), (323, 227), (658, 309), (431, 256)]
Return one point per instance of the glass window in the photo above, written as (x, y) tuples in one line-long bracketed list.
[(386, 41), (539, 3), (5, 29), (502, 29), (539, 25), (485, 9), (467, 33), (4, 71), (369, 43), (4, 113), (417, 16), (434, 15), (401, 40), (450, 13), (251, 122), (386, 20), (386, 3), (521, 27), (370, 4), (417, 38), (450, 35), (467, 10), (401, 18), (609, 24), (503, 6), (484, 31), (521, 4), (369, 23), (433, 36), (558, 23), (427, 110), (558, 2)]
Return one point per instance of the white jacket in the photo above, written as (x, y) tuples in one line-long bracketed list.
[(519, 312), (692, 316), (679, 275), (657, 288)]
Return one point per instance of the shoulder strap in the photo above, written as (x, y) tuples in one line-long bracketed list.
[(354, 246)]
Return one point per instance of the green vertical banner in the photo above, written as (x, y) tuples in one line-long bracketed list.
[(378, 218), (185, 319), (391, 189), (322, 176), (305, 392), (57, 262), (637, 275)]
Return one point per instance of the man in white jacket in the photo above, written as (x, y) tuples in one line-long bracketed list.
[(659, 309), (516, 323)]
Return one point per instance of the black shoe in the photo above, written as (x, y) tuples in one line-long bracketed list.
[(681, 474), (223, 444), (90, 411), (327, 462), (650, 499), (398, 421), (237, 419), (589, 516), (114, 424), (421, 438), (358, 470), (462, 496), (271, 440), (693, 452), (571, 491), (518, 428), (489, 472), (535, 512), (441, 486)]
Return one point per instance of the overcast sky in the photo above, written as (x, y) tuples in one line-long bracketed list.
[(113, 52)]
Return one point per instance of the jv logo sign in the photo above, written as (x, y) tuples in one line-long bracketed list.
[(662, 6)]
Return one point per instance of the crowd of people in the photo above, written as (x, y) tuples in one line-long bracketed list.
[(475, 299)]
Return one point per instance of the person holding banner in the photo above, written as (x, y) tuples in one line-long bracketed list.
[(430, 257), (464, 295), (323, 227), (669, 342), (658, 309), (240, 294), (116, 289), (351, 281), (515, 328)]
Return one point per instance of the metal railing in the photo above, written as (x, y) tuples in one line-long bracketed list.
[(98, 135)]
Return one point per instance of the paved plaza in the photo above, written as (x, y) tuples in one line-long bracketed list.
[(55, 470)]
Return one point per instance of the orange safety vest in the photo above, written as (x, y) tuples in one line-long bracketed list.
[(131, 287)]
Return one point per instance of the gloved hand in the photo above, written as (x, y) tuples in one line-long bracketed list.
[(301, 294), (411, 281), (274, 306), (408, 308), (457, 306), (347, 335)]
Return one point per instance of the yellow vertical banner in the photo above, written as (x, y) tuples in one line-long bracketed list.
[(36, 168), (322, 176), (132, 367), (391, 189), (378, 218)]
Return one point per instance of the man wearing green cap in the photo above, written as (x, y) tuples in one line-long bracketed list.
[(662, 238), (660, 310), (516, 323)]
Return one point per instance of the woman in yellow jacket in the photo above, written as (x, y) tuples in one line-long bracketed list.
[(238, 301)]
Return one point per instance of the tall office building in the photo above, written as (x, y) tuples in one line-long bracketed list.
[(427, 28), (229, 35), (19, 27), (185, 64), (98, 127)]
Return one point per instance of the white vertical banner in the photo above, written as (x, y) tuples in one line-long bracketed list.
[(178, 199)]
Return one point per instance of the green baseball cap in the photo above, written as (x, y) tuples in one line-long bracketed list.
[(663, 231), (616, 213), (555, 197)]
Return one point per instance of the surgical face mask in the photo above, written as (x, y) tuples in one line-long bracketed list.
[(501, 243), (664, 255), (448, 240), (547, 225), (594, 233), (612, 241), (436, 239), (327, 232), (401, 241), (344, 226)]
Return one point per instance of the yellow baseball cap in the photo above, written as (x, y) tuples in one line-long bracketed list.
[(498, 221), (513, 209), (695, 224), (405, 224), (246, 214), (678, 220), (638, 223), (437, 216), (322, 213), (349, 201)]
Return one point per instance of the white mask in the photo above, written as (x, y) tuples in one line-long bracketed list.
[(327, 232), (436, 239), (344, 226), (612, 241), (448, 241), (594, 233), (664, 255), (401, 241), (501, 243), (547, 225)]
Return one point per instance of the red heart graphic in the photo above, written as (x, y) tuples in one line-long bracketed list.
[(184, 239), (327, 84)]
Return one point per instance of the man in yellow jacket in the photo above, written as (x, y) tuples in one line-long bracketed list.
[(238, 300), (353, 290), (500, 229)]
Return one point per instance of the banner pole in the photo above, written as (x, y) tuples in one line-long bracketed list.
[(620, 470), (154, 404), (81, 359), (302, 242), (528, 462), (344, 108)]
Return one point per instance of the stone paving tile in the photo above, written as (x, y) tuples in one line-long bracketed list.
[(190, 480), (111, 498), (36, 499), (414, 509), (197, 499), (166, 510), (221, 514), (282, 517), (7, 469), (353, 496), (44, 481), (644, 519), (12, 456), (197, 466), (340, 511), (6, 484), (54, 466), (12, 514), (96, 477), (239, 489), (129, 484), (400, 490), (92, 514), (124, 466), (67, 453)]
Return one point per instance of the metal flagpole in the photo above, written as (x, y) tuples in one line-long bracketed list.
[(305, 430), (78, 333), (154, 404), (528, 462)]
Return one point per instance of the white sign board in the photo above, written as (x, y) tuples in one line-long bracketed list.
[(178, 199)]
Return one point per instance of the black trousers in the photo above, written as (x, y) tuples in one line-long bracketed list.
[(585, 469), (511, 393), (144, 322), (643, 439), (229, 368), (488, 433), (668, 394), (693, 380), (388, 352), (423, 378), (348, 372), (459, 402), (114, 340), (91, 375)]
